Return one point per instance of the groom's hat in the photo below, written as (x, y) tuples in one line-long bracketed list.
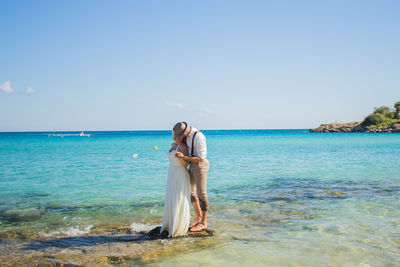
[(180, 128)]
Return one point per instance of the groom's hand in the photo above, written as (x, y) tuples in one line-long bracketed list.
[(178, 155)]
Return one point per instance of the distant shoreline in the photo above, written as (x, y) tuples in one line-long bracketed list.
[(356, 127), (105, 131), (348, 127)]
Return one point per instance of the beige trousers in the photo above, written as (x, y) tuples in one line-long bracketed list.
[(198, 180)]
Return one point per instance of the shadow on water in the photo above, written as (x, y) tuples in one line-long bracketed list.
[(92, 240), (84, 241)]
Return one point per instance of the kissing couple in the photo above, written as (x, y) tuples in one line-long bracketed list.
[(186, 185)]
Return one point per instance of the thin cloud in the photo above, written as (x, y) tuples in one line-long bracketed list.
[(204, 113), (30, 90), (175, 105), (6, 88)]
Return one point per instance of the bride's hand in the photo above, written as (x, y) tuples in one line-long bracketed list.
[(178, 155)]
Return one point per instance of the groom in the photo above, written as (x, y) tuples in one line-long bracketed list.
[(196, 142)]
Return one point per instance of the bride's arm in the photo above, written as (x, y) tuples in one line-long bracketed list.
[(184, 150)]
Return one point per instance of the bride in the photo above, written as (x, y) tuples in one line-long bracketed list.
[(176, 208)]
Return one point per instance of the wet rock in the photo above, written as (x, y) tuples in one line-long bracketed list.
[(155, 233), (96, 249)]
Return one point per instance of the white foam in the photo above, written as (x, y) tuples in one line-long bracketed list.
[(139, 227), (153, 210), (69, 231)]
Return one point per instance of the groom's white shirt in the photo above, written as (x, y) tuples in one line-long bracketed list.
[(200, 147)]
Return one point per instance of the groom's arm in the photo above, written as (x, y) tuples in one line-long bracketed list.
[(200, 143), (187, 158)]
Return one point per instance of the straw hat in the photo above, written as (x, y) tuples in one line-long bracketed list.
[(180, 128)]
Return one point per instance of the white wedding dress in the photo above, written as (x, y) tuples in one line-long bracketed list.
[(177, 199)]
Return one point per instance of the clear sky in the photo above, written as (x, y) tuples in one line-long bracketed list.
[(143, 65)]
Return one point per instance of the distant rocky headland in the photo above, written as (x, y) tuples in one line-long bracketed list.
[(382, 120), (356, 127)]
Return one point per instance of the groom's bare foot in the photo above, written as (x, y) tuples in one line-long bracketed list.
[(196, 222), (199, 227)]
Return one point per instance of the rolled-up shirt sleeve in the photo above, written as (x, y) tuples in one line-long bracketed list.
[(200, 146)]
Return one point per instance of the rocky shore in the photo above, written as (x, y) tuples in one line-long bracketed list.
[(119, 246), (356, 126)]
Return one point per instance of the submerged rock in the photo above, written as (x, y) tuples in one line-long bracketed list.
[(21, 215)]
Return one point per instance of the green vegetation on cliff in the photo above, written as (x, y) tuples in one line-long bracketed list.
[(382, 116)]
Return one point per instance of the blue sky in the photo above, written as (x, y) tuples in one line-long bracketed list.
[(138, 65)]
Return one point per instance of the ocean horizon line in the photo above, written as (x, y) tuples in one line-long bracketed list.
[(75, 131)]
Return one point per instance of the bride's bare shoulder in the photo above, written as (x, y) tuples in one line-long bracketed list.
[(173, 146)]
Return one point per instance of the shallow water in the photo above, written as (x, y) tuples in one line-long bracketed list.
[(279, 197)]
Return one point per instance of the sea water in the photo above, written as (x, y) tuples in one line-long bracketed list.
[(277, 197)]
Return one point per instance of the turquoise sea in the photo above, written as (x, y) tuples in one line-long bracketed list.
[(277, 197)]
